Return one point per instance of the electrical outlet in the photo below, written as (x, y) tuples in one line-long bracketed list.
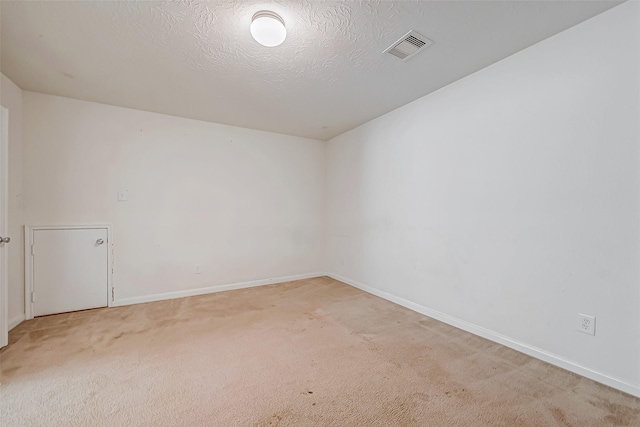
[(587, 324), (123, 195)]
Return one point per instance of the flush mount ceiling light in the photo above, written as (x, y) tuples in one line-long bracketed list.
[(268, 28)]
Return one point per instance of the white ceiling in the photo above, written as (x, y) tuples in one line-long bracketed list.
[(196, 59)]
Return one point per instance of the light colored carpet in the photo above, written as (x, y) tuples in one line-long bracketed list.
[(311, 352)]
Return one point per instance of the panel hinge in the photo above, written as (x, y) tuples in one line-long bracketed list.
[(33, 249), (113, 294), (33, 296)]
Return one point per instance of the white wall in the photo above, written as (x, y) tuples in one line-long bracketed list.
[(508, 202), (244, 204), (11, 99)]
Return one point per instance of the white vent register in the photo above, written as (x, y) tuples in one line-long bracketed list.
[(410, 44)]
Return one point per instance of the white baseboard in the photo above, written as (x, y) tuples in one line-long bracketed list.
[(212, 289), (499, 338), (16, 321)]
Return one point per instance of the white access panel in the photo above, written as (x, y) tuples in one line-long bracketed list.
[(70, 270)]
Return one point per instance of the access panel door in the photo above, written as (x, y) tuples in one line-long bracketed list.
[(70, 270)]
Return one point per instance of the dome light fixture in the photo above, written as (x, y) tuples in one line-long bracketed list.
[(268, 29)]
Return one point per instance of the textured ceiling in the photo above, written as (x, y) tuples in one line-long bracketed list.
[(196, 59)]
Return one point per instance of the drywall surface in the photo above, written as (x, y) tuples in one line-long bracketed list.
[(509, 200), (238, 204), (11, 99)]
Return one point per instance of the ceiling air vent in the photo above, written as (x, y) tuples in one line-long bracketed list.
[(410, 44)]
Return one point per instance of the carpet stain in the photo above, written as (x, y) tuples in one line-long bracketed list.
[(618, 414), (559, 416), (10, 371), (280, 418)]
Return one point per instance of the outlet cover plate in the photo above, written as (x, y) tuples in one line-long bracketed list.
[(587, 324)]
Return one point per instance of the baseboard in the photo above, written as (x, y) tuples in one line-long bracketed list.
[(16, 321), (212, 289), (498, 338)]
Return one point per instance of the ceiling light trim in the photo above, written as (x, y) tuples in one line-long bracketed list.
[(268, 28)]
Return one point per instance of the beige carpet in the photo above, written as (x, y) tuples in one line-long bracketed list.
[(312, 352)]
